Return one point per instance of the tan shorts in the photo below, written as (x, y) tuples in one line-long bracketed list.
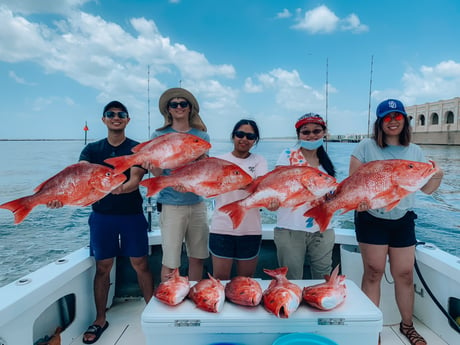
[(292, 247), (181, 223)]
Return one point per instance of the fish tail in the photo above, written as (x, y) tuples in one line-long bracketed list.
[(20, 208), (120, 164), (235, 212), (153, 185), (321, 214)]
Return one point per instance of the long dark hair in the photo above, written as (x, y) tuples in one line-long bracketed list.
[(251, 123), (380, 137)]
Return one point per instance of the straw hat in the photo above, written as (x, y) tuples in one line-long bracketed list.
[(177, 92)]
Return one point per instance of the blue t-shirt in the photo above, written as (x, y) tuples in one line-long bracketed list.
[(170, 196), (368, 150), (126, 203)]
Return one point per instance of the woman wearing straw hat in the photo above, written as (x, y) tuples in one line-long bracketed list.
[(183, 215)]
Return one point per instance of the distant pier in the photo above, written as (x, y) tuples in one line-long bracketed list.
[(436, 123)]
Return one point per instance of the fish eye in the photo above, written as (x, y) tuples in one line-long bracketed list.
[(411, 166)]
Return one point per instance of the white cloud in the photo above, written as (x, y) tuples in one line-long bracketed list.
[(431, 83), (284, 14), (352, 23), (44, 6), (321, 20), (18, 79)]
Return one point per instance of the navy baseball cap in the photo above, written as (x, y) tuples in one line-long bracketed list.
[(389, 106)]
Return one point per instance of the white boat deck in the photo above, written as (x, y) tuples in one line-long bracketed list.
[(125, 328)]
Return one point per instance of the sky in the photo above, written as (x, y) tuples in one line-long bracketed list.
[(271, 61)]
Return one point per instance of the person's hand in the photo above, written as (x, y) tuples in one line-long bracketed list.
[(363, 206), (273, 205), (147, 166), (119, 190), (54, 204)]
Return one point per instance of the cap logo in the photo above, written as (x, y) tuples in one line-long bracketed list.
[(392, 104)]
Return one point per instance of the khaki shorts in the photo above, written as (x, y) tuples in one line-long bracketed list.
[(293, 246), (181, 223)]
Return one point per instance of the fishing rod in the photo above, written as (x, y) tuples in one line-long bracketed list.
[(149, 205), (453, 322)]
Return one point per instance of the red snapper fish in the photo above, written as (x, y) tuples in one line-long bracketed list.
[(208, 294), (290, 186), (381, 184), (79, 184), (207, 177), (243, 291), (168, 151), (282, 297), (174, 290), (327, 295)]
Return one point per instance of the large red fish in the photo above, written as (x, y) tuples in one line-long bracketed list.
[(282, 297), (381, 184), (168, 151), (174, 290), (207, 177), (289, 186), (243, 291), (79, 184), (208, 294), (327, 295)]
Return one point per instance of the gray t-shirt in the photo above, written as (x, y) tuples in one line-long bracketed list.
[(170, 196), (368, 151)]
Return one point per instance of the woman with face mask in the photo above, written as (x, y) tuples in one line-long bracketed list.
[(296, 236)]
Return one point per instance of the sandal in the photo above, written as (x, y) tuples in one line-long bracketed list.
[(410, 333), (95, 330)]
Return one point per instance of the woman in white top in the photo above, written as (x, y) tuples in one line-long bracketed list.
[(240, 245), (295, 235)]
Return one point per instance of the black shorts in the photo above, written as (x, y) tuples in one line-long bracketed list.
[(235, 247), (394, 233)]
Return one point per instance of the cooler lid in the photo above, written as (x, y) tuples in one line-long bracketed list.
[(356, 308)]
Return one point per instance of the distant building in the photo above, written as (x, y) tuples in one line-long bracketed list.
[(436, 122)]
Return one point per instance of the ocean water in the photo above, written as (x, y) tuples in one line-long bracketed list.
[(47, 235)]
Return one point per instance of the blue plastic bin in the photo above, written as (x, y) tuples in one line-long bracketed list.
[(303, 339)]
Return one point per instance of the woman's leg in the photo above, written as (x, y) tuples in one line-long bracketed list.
[(374, 261)]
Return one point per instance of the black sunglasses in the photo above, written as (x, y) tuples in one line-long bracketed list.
[(315, 132), (249, 136), (174, 105), (121, 114)]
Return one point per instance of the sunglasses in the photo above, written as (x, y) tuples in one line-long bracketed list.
[(315, 132), (249, 136), (111, 114), (174, 105), (389, 117)]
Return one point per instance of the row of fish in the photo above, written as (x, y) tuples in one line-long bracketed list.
[(381, 184), (281, 298)]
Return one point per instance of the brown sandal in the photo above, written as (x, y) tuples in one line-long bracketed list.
[(410, 333)]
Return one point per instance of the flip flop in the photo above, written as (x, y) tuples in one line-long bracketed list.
[(95, 330)]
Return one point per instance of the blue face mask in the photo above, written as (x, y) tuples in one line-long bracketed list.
[(311, 145)]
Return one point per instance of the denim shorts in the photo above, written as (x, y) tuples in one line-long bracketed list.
[(118, 235), (244, 247), (398, 233)]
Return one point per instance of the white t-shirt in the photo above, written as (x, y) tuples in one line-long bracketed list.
[(289, 218), (255, 165)]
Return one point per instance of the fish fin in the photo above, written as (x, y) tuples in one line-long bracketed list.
[(392, 205), (120, 164), (140, 146), (321, 214), (154, 184), (280, 271), (235, 212), (20, 208), (251, 188), (334, 274)]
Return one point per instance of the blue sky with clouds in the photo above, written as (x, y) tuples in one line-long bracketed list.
[(62, 61)]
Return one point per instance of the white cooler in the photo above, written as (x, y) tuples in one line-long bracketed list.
[(356, 322)]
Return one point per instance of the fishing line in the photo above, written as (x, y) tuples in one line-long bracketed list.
[(454, 323)]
